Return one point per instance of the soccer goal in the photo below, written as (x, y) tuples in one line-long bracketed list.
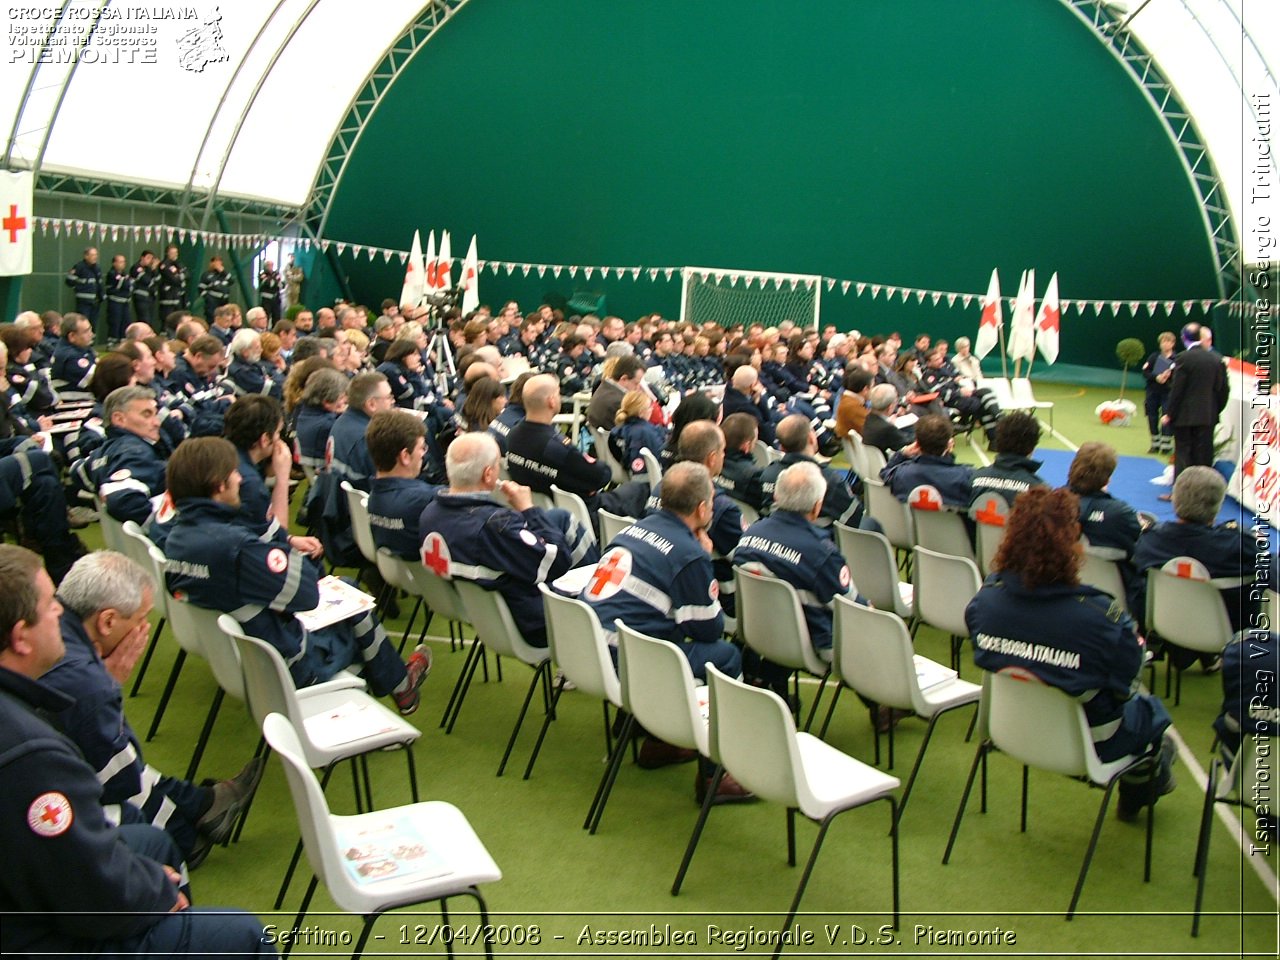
[(730, 297)]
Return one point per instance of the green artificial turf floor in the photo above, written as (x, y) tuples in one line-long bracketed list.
[(1003, 894)]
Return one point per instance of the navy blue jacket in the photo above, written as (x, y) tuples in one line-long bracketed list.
[(1251, 697), (1009, 475), (1108, 522), (838, 504), (539, 455), (952, 480), (86, 280), (311, 430), (626, 439), (500, 427), (395, 504), (127, 473), (73, 365), (740, 478)]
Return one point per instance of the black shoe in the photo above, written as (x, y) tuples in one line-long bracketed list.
[(199, 852), (230, 797)]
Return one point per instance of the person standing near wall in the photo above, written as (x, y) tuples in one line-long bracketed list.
[(1197, 394)]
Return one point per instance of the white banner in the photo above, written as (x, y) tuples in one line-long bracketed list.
[(16, 221)]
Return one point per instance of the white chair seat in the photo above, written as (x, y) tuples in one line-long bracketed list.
[(836, 780), (950, 693), (376, 727)]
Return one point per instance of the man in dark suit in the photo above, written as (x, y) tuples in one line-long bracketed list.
[(878, 430), (1197, 394)]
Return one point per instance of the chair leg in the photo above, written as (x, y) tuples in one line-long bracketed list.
[(1026, 775), (297, 850), (413, 771), (146, 658), (368, 784), (538, 672), (1200, 868), (546, 722), (302, 911), (176, 669), (978, 758), (446, 925), (1093, 844), (915, 768), (484, 920), (891, 726), (204, 734), (707, 800), (463, 684), (365, 929), (813, 709), (835, 698), (404, 640), (610, 775), (263, 751), (875, 731), (804, 877)]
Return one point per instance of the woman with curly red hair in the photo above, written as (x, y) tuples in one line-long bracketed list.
[(1033, 614)]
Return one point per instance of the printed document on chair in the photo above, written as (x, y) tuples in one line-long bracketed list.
[(348, 722), (338, 601), (377, 848)]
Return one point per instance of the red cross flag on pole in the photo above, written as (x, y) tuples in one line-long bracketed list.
[(1022, 330), (469, 281), (1048, 322), (16, 223), (992, 318), (444, 266), (429, 270), (411, 292)]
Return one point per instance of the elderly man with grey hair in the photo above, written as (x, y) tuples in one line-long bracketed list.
[(1229, 554), (488, 530), (879, 430), (247, 373), (106, 598)]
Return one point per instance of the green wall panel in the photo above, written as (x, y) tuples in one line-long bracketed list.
[(912, 143)]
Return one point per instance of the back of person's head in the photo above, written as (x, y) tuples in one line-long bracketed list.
[(1091, 467), (398, 350), (856, 379), (477, 410), (538, 391), (1198, 494), (71, 324), (250, 417), (19, 600), (739, 428), (515, 393), (635, 403), (569, 342), (225, 314), (1017, 433), (15, 338), (1041, 539), (391, 431), (699, 441), (745, 377), (800, 488), (362, 387), (199, 466), (933, 433), (628, 366), (467, 459), (478, 371), (305, 348), (696, 406), (685, 486), (793, 433), (883, 397), (206, 345), (118, 400), (113, 370), (105, 580)]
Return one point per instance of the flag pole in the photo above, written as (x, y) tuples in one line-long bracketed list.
[(1004, 360)]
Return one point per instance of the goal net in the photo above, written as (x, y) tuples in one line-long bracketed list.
[(730, 297)]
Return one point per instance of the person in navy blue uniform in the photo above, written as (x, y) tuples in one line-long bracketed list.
[(215, 286), (127, 471), (73, 358), (106, 599), (217, 563), (1110, 525), (195, 380), (500, 427), (1013, 472), (799, 444), (73, 883), (1157, 370), (29, 483), (146, 278), (118, 289), (29, 383), (398, 495), (739, 477), (656, 575), (173, 279), (1250, 694), (85, 278), (488, 531), (634, 431), (746, 394), (1034, 615), (247, 374), (324, 399), (575, 364), (1227, 552), (404, 371), (224, 323), (270, 290), (539, 455), (930, 461)]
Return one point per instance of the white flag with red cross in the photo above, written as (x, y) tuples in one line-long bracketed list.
[(16, 222), (1022, 340), (414, 278), (429, 264), (992, 319), (1048, 322), (469, 281), (444, 265)]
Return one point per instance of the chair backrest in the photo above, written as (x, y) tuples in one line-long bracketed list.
[(753, 734), (542, 500), (604, 453), (935, 526), (872, 654), (612, 524), (652, 469), (760, 454), (999, 387), (1039, 725), (267, 684), (578, 646), (1104, 574), (112, 530), (658, 689), (749, 513), (1185, 611), (358, 505), (576, 506), (137, 547), (944, 587), (990, 515), (318, 838), (440, 594), (488, 612), (875, 460), (853, 451), (890, 512), (871, 555), (199, 624), (771, 622), (1023, 395)]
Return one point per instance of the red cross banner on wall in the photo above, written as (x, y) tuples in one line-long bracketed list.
[(16, 223)]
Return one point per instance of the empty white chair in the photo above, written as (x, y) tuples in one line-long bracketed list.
[(1040, 726), (749, 513), (753, 736), (1024, 397), (612, 524), (1185, 607), (873, 656), (604, 453), (1003, 393), (577, 508), (990, 515), (936, 526), (652, 469), (853, 451), (188, 640), (428, 850), (869, 553), (875, 460), (890, 512), (944, 587), (112, 529)]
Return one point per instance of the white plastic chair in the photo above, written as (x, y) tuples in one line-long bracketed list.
[(1003, 393), (1040, 726), (873, 656), (771, 622), (753, 737), (890, 512), (454, 859), (1185, 607), (577, 508), (578, 647), (870, 554), (990, 515), (749, 513), (762, 454), (652, 469), (612, 524), (854, 452), (137, 547), (944, 587), (496, 630), (188, 639), (875, 459), (358, 505), (1024, 397), (604, 453), (936, 526), (1096, 571), (112, 529)]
